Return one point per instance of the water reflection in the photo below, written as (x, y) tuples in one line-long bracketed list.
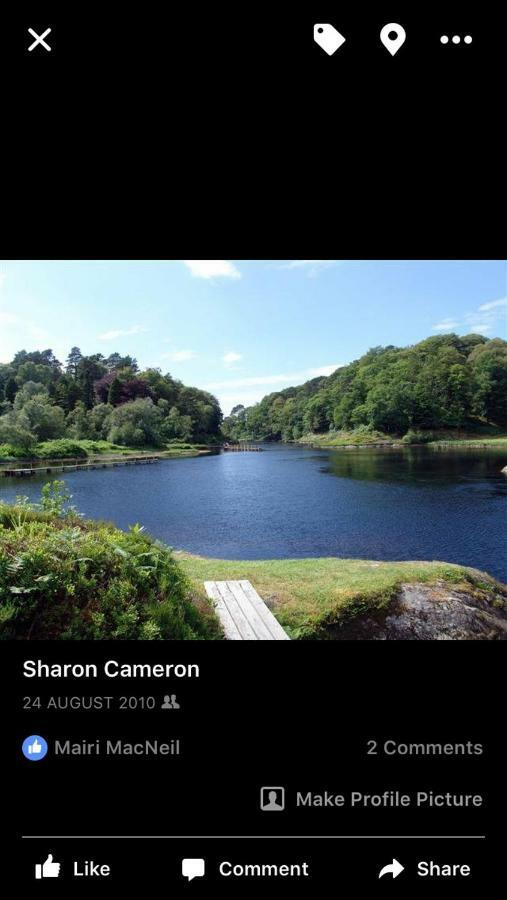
[(419, 465)]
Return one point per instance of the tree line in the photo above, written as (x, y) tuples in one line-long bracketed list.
[(445, 381), (99, 398)]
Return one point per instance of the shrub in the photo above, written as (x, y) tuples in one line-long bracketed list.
[(135, 424), (365, 429), (93, 447), (16, 434), (82, 580), (417, 437), (60, 449), (54, 496), (8, 451)]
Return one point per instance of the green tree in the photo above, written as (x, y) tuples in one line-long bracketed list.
[(489, 375), (30, 390), (16, 433), (316, 416), (46, 421), (176, 425), (11, 389), (88, 391), (78, 424), (135, 424), (98, 419), (114, 396), (442, 382), (73, 360)]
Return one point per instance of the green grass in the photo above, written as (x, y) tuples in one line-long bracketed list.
[(99, 448), (307, 595), (64, 448), (342, 438), (437, 438), (65, 577), (498, 442)]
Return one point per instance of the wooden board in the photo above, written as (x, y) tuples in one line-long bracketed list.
[(243, 614)]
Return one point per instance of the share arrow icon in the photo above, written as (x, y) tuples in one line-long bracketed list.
[(394, 869)]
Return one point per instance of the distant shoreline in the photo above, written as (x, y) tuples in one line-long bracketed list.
[(491, 443)]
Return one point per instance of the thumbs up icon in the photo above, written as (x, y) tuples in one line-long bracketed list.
[(34, 747), (48, 869)]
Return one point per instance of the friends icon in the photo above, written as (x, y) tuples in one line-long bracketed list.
[(170, 702)]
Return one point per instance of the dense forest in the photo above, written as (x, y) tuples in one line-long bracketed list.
[(445, 381), (98, 398)]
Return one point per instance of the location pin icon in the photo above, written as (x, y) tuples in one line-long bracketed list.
[(392, 37)]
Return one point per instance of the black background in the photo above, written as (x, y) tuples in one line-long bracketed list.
[(203, 132), (149, 131), (297, 715)]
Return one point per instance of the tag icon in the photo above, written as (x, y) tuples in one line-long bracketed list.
[(328, 38)]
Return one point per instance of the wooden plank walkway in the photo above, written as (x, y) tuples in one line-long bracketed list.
[(45, 469), (243, 614)]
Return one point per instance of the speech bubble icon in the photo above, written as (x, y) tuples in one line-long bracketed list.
[(192, 868)]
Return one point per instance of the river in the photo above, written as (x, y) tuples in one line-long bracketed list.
[(290, 501)]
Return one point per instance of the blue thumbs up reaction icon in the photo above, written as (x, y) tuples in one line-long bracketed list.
[(34, 747)]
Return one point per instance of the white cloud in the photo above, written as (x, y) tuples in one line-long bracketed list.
[(446, 325), (249, 391), (180, 355), (488, 317), (312, 266), (212, 268), (289, 379), (7, 318), (479, 327), (494, 304), (120, 332), (230, 358), (322, 370), (245, 398), (34, 331)]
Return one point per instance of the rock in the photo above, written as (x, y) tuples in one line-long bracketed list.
[(437, 612)]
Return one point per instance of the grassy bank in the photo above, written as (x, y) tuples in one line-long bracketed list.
[(85, 449), (361, 438), (64, 577), (348, 438), (308, 595), (499, 443)]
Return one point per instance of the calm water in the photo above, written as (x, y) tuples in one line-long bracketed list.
[(415, 503)]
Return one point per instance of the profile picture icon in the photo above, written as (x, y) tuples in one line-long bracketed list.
[(272, 799)]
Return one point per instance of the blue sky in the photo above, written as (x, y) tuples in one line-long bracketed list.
[(244, 328)]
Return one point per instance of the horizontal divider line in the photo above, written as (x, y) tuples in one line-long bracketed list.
[(256, 837)]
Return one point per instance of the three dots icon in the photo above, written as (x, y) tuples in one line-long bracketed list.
[(455, 39)]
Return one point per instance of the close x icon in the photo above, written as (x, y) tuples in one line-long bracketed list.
[(39, 40)]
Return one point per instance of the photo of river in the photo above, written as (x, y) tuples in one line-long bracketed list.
[(413, 503)]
